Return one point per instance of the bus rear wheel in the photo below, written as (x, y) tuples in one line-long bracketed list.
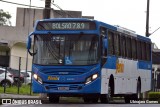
[(53, 98), (89, 99)]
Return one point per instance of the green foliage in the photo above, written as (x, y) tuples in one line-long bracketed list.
[(155, 95), (4, 18), (24, 89)]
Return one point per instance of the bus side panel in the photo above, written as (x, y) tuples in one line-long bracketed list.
[(145, 79), (104, 81), (125, 80)]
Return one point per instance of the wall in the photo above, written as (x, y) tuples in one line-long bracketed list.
[(16, 36), (19, 51)]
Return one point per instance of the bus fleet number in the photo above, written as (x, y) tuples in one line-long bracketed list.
[(68, 26)]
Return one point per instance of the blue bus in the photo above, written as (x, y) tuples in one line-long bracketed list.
[(89, 59)]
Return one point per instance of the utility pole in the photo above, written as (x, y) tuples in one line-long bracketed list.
[(147, 19), (147, 35), (46, 15), (46, 11)]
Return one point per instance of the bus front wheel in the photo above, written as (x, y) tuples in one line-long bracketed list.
[(90, 99), (53, 98), (106, 98)]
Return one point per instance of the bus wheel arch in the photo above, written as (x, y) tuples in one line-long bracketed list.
[(106, 98), (138, 91), (111, 84)]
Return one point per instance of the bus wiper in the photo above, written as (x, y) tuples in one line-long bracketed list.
[(32, 54), (41, 27)]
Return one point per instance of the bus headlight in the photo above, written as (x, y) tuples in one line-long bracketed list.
[(94, 76), (91, 78), (88, 80), (37, 78)]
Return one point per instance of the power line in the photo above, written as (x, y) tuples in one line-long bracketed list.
[(37, 6), (58, 12), (61, 9), (155, 31), (20, 4)]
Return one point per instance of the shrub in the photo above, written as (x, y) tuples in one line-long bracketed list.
[(154, 96)]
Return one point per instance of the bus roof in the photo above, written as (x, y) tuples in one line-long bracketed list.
[(66, 19), (111, 27)]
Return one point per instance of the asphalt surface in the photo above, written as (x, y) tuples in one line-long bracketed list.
[(2, 95), (64, 102)]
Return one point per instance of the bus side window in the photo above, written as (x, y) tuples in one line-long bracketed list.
[(128, 47), (110, 43), (119, 43), (148, 52), (143, 50), (139, 50), (134, 49), (123, 45), (116, 44)]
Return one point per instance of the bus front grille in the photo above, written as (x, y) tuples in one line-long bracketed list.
[(63, 71), (63, 87)]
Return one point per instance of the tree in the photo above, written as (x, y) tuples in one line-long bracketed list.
[(5, 18)]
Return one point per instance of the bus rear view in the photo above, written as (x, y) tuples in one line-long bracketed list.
[(66, 58)]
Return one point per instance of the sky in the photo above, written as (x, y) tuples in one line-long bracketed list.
[(130, 14)]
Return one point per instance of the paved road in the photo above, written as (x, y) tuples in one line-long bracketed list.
[(85, 105), (64, 102), (2, 95)]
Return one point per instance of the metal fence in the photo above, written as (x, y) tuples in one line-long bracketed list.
[(19, 70), (156, 81)]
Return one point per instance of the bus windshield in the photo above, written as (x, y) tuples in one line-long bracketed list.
[(66, 49)]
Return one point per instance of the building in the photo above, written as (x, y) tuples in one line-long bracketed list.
[(13, 38), (156, 67)]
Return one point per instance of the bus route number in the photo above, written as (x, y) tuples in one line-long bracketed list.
[(70, 25)]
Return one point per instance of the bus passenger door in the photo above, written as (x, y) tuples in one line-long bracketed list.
[(104, 44), (103, 49)]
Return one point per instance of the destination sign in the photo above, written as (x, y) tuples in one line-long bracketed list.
[(66, 26)]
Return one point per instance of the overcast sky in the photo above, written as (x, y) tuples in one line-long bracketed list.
[(130, 14)]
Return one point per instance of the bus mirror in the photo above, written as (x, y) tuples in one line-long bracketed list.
[(105, 43), (29, 41)]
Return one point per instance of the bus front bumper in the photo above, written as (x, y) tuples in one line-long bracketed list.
[(93, 87)]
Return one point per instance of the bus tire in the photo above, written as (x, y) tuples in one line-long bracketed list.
[(127, 98), (94, 100), (106, 98), (90, 99), (87, 99), (53, 98)]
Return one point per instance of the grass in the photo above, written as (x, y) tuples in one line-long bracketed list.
[(24, 90)]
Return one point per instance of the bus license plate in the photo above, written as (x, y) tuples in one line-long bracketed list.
[(63, 88)]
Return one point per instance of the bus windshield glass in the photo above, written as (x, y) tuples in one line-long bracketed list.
[(66, 49)]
